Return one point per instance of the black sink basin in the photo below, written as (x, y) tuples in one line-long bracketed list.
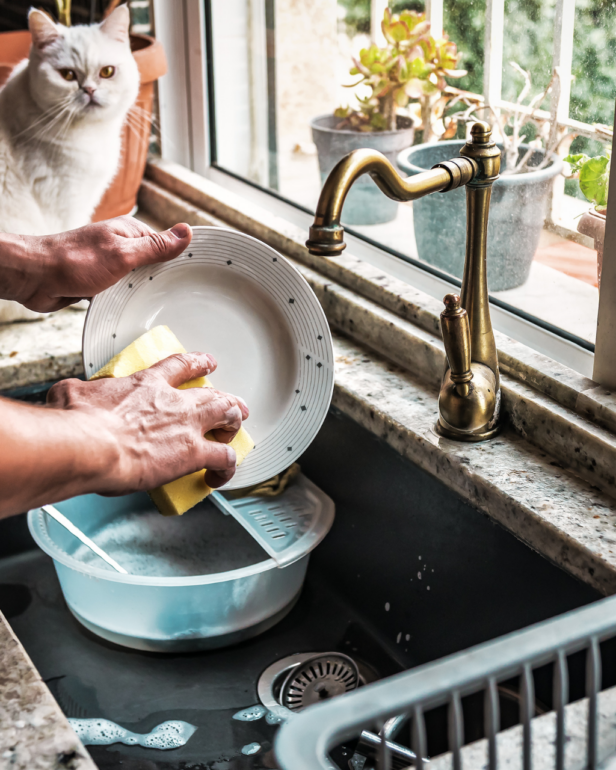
[(409, 573)]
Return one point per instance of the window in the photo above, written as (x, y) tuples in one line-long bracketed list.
[(277, 70)]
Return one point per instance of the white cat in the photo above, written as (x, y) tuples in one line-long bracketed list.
[(61, 117)]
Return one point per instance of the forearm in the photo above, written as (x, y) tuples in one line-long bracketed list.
[(23, 266), (47, 455)]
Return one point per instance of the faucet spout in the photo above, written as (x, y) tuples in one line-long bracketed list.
[(327, 234), (469, 400)]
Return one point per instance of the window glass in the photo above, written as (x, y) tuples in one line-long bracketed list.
[(285, 92)]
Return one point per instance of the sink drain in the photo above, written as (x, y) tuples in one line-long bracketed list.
[(297, 681), (319, 678)]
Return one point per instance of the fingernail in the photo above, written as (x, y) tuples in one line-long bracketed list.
[(213, 361), (181, 231), (245, 405), (231, 456)]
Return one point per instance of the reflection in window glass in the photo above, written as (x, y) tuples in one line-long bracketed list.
[(282, 68)]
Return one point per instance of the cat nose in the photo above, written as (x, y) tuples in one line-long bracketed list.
[(89, 90)]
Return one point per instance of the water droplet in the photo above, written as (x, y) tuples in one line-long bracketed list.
[(387, 606)]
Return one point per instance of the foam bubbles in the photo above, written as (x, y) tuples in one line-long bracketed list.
[(102, 732), (250, 714), (274, 719), (251, 748), (201, 542)]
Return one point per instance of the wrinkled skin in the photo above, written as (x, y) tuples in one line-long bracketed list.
[(49, 272), (111, 436)]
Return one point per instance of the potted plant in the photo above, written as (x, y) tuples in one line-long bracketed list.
[(121, 196), (411, 67), (593, 175), (519, 197)]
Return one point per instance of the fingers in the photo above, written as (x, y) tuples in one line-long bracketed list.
[(220, 461), (232, 423), (160, 247), (182, 367)]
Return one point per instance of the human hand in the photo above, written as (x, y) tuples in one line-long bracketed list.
[(147, 431), (49, 272)]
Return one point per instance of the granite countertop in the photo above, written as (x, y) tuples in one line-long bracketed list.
[(33, 352), (34, 733)]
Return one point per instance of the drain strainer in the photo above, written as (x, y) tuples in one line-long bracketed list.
[(319, 678)]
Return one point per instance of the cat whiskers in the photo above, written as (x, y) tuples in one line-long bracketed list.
[(51, 113), (53, 132)]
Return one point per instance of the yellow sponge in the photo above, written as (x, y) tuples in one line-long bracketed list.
[(176, 497)]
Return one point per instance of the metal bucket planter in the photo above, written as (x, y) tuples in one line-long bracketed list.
[(517, 213), (365, 203)]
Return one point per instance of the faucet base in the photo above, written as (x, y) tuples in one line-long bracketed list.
[(457, 435)]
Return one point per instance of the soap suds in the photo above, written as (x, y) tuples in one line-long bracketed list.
[(102, 732), (201, 542), (250, 714)]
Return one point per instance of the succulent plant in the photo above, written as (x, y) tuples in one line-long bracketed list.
[(411, 67)]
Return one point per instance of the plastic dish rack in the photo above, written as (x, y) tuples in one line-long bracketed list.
[(570, 736)]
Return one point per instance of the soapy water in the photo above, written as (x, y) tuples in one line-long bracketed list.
[(251, 748), (102, 732), (274, 719), (201, 542)]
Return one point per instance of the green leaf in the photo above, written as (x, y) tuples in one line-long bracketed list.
[(576, 161), (400, 97), (399, 31), (594, 179)]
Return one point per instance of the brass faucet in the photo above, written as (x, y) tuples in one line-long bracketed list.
[(469, 398)]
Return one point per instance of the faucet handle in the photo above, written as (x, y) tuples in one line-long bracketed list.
[(457, 339)]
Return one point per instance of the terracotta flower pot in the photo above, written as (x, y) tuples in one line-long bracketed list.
[(592, 224), (121, 196)]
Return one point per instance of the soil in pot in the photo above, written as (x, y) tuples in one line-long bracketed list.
[(517, 213), (365, 204)]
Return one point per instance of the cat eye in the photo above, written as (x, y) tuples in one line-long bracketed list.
[(107, 71), (68, 74)]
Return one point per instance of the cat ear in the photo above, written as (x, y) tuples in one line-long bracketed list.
[(42, 28), (117, 24)]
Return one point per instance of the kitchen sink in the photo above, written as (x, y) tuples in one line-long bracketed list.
[(408, 573)]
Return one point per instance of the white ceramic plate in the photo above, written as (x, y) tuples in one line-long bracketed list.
[(233, 296)]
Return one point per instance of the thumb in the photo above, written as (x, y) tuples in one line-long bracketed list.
[(161, 247), (182, 367)]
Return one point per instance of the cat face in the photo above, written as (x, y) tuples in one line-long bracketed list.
[(82, 73)]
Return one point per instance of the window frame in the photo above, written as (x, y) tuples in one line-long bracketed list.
[(188, 132)]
